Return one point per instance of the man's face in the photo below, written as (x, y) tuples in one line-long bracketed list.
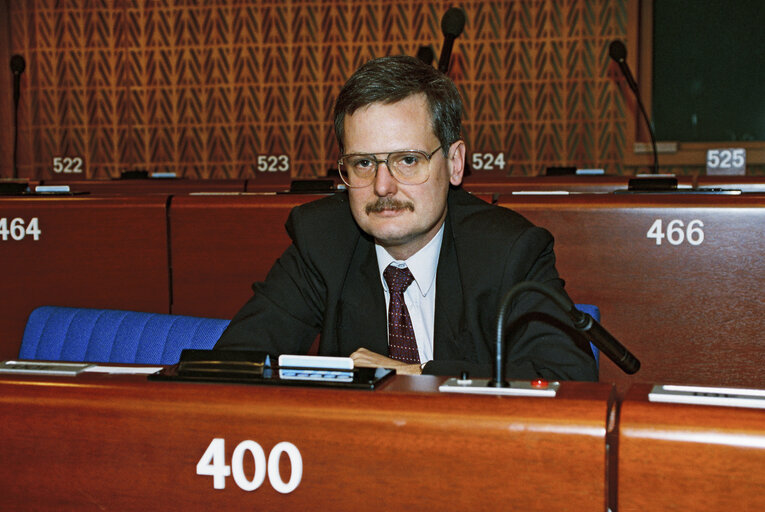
[(401, 218)]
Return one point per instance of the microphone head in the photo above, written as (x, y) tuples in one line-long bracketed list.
[(453, 22), (617, 50), (18, 64), (426, 54)]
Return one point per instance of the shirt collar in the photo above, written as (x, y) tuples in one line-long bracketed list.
[(423, 264)]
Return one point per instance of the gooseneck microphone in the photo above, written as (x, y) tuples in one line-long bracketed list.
[(17, 67), (618, 52), (583, 322), (452, 25)]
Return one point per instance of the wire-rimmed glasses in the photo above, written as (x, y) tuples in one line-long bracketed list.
[(409, 166)]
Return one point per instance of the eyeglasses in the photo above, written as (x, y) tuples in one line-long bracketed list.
[(410, 167)]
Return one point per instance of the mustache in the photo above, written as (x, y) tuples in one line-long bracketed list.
[(388, 203)]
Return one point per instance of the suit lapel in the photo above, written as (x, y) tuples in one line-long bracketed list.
[(363, 322), (449, 307)]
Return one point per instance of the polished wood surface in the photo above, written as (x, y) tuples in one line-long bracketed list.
[(123, 443), (221, 244), (565, 183), (148, 185), (691, 313), (91, 252), (509, 184), (675, 457), (744, 183)]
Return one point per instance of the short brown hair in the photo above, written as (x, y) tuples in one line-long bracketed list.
[(392, 79)]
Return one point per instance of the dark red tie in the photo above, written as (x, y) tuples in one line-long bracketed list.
[(401, 343)]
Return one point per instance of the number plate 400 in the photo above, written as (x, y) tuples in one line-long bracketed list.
[(213, 463)]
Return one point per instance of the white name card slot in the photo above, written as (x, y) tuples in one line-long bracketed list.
[(43, 367), (540, 192), (124, 370), (703, 395), (52, 189), (300, 367)]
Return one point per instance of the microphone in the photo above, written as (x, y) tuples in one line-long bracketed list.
[(618, 52), (17, 67), (452, 25), (583, 322), (426, 54), (17, 64)]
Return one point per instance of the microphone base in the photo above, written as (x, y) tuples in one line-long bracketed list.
[(538, 388)]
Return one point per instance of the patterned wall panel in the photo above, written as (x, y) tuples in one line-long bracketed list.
[(227, 89)]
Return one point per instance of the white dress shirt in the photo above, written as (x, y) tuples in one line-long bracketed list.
[(420, 296)]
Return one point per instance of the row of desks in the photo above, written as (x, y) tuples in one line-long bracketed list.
[(475, 183), (678, 278), (116, 442)]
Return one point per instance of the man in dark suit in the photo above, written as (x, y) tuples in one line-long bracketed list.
[(398, 123)]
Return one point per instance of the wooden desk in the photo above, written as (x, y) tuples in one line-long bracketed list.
[(221, 244), (690, 310), (149, 186), (574, 184), (89, 252), (268, 182), (689, 457), (743, 183), (124, 443)]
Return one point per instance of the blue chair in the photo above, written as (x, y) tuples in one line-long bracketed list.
[(594, 312), (56, 333)]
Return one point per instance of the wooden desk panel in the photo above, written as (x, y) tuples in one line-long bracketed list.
[(123, 443), (574, 184), (104, 253), (687, 457), (221, 244), (268, 182), (743, 183), (691, 313), (149, 186)]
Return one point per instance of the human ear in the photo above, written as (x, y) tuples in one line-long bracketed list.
[(456, 162)]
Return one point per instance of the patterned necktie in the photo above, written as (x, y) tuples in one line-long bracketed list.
[(401, 342)]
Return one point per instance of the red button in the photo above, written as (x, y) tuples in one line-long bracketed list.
[(539, 384)]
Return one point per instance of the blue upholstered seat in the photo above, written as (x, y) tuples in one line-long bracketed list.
[(56, 333)]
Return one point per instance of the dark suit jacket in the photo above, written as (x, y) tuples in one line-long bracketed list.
[(327, 282)]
